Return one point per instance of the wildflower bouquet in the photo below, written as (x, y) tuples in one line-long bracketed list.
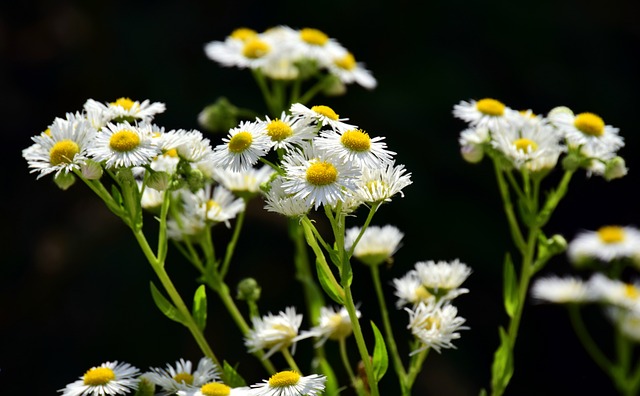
[(316, 168)]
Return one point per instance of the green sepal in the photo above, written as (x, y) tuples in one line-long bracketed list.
[(199, 309), (165, 306), (502, 367), (231, 376), (380, 356), (333, 291), (510, 286)]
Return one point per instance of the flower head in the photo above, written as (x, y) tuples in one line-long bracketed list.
[(607, 244), (435, 326), (334, 325), (243, 147), (559, 290), (376, 245), (110, 378), (275, 332), (123, 145), (290, 383), (355, 145), (441, 277), (121, 110), (182, 376), (323, 115), (485, 113)]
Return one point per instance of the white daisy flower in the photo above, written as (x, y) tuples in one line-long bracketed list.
[(248, 51), (627, 321), (182, 377), (345, 67), (123, 145), (243, 147), (63, 148), (380, 185), (334, 325), (318, 178), (606, 244), (188, 222), (376, 245), (123, 109), (275, 332), (290, 383), (442, 276), (213, 204), (435, 326), (355, 145), (151, 198), (323, 115), (288, 132), (216, 389), (534, 146), (559, 290), (279, 201), (409, 290), (613, 291), (244, 182), (110, 378), (484, 113), (315, 45)]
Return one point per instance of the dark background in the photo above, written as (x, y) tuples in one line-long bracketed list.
[(74, 285)]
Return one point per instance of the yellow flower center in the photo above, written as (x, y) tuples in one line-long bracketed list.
[(184, 378), (322, 173), (356, 140), (215, 389), (347, 62), (340, 328), (279, 130), (211, 204), (63, 152), (244, 34), (98, 376), (611, 234), (313, 36), (171, 153), (240, 142), (525, 145), (325, 111), (631, 291), (124, 140), (255, 48), (125, 103), (589, 124), (284, 379), (490, 107), (431, 323)]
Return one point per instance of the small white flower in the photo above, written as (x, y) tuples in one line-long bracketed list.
[(123, 145), (248, 181), (376, 245), (409, 290), (435, 326), (355, 145), (606, 244), (334, 325), (288, 132), (485, 113), (323, 115), (627, 321), (275, 332), (345, 67), (318, 178), (381, 184), (279, 201), (243, 147), (244, 49), (615, 292), (182, 376), (63, 148), (216, 389), (290, 383), (442, 276), (110, 378), (123, 109), (559, 290)]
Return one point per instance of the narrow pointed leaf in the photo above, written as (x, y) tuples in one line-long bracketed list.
[(165, 306), (380, 357), (199, 309)]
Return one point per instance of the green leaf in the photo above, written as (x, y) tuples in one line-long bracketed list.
[(502, 367), (332, 290), (117, 196), (231, 376), (380, 357), (165, 306), (510, 287), (199, 309)]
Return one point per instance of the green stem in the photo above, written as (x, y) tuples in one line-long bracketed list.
[(233, 242), (345, 360), (391, 343), (587, 342), (516, 234), (290, 360), (190, 323), (416, 366), (314, 90), (372, 211), (320, 258)]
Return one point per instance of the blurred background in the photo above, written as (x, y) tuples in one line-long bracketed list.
[(74, 287)]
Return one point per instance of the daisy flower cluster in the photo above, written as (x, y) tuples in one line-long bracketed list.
[(322, 160), (284, 53), (114, 378), (525, 140), (428, 289)]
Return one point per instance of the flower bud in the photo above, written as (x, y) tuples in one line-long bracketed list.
[(64, 180), (472, 153), (159, 181), (145, 387), (91, 170), (615, 169), (560, 110), (219, 116), (333, 86), (248, 290)]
